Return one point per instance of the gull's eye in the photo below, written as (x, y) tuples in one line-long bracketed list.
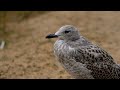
[(67, 31)]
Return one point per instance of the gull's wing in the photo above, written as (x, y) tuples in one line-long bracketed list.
[(97, 60), (118, 65), (104, 70)]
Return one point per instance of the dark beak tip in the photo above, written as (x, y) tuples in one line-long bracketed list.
[(46, 37), (51, 36)]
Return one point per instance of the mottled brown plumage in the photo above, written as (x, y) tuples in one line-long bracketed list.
[(81, 58)]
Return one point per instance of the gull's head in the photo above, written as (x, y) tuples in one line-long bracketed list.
[(67, 32)]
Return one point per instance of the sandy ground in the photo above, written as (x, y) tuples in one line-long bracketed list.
[(28, 54)]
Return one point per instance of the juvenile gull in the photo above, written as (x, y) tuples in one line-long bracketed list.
[(82, 59)]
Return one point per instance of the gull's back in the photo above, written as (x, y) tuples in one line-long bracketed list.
[(84, 60)]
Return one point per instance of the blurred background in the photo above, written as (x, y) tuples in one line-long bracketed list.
[(27, 54)]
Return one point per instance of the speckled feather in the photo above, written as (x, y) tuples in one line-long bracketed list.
[(84, 60)]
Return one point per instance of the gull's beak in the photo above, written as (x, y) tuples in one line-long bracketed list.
[(51, 36)]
